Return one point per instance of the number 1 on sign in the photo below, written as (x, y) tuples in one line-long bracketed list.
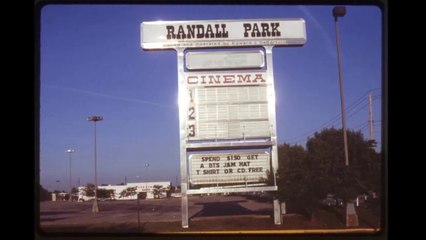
[(190, 96)]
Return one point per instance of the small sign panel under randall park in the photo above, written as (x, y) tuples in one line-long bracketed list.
[(229, 168)]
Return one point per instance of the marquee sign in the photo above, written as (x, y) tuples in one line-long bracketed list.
[(229, 168), (222, 33)]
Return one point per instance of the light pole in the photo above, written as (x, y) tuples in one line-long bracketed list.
[(146, 178), (340, 12), (95, 207), (70, 151)]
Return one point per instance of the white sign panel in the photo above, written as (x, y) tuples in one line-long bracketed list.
[(225, 60), (229, 168), (222, 33), (228, 113)]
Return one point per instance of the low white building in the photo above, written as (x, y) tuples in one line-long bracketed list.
[(150, 188)]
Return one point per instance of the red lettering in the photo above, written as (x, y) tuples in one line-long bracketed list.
[(228, 78), (170, 32)]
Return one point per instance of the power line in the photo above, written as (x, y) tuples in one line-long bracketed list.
[(330, 122), (360, 125), (364, 128), (353, 113), (337, 117)]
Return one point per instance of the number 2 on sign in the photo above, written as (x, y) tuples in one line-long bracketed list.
[(191, 114)]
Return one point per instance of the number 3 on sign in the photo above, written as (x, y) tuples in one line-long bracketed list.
[(191, 130)]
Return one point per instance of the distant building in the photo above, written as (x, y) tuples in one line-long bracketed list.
[(141, 187)]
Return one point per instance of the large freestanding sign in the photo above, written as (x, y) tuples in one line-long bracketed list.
[(227, 116)]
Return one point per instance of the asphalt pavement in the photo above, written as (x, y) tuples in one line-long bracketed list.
[(57, 216), (232, 214)]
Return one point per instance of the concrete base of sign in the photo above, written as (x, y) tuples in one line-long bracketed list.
[(277, 212), (283, 208), (95, 207), (351, 216), (184, 208)]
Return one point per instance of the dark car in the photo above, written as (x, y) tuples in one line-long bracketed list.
[(332, 200)]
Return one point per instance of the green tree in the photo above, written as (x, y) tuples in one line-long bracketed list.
[(327, 164), (306, 176), (294, 179), (158, 189), (89, 190), (74, 194), (44, 195), (130, 191), (104, 193), (74, 191)]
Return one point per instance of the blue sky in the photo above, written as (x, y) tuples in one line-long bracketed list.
[(91, 63)]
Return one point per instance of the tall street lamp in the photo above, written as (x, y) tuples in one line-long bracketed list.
[(146, 177), (95, 207), (70, 151), (340, 12)]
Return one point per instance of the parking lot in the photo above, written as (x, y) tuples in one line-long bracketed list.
[(58, 216), (207, 213)]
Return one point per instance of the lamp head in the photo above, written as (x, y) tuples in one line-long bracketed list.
[(95, 118), (339, 12)]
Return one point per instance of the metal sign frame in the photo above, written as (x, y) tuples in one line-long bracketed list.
[(189, 147), (182, 35)]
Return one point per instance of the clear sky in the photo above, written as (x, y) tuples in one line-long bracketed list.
[(92, 64)]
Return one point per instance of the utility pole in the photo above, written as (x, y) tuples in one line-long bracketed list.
[(340, 12), (370, 117)]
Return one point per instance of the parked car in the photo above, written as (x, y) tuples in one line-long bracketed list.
[(332, 200), (366, 199)]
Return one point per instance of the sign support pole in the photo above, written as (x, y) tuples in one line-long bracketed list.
[(183, 136), (272, 115)]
